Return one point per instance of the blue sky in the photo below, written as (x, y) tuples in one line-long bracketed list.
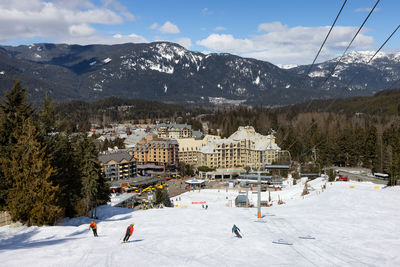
[(282, 32)]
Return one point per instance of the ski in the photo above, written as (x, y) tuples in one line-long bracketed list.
[(306, 237), (282, 242)]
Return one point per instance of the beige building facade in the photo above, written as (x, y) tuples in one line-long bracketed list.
[(158, 151), (243, 148), (173, 131), (188, 148)]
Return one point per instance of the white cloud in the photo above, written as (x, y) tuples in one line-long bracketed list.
[(281, 44), (153, 26), (115, 5), (226, 43), (169, 27), (205, 11), (219, 28), (99, 39), (184, 41), (275, 26), (81, 30), (366, 9), (57, 20)]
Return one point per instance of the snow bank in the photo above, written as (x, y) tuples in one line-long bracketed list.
[(354, 224)]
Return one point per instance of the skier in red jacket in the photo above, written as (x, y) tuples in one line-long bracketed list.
[(129, 232)]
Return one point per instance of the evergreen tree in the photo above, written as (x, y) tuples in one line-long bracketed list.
[(165, 198), (32, 198), (94, 188), (13, 111), (66, 174), (47, 115)]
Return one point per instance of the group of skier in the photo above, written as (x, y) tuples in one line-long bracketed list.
[(128, 232)]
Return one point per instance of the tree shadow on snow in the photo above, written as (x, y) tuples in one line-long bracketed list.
[(104, 213), (118, 219), (84, 231), (22, 241)]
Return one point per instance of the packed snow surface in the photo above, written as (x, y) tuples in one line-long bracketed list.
[(351, 226)]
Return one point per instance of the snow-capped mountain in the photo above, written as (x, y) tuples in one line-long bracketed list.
[(168, 72), (357, 72)]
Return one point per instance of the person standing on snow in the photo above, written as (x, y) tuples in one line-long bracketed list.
[(129, 232), (93, 225), (236, 230)]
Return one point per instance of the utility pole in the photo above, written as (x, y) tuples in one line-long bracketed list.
[(247, 197), (259, 196)]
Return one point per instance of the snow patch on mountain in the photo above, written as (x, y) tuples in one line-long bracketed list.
[(287, 66), (257, 80), (160, 68), (318, 73)]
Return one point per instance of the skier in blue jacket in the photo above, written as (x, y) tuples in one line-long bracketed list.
[(236, 230)]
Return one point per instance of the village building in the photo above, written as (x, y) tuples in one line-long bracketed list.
[(188, 148), (156, 151), (243, 148), (174, 131), (117, 165)]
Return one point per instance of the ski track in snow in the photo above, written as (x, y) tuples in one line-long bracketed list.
[(346, 223)]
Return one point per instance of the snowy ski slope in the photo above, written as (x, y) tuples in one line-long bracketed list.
[(352, 227)]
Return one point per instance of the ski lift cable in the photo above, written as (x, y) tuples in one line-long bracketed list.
[(337, 63), (326, 37), (348, 46), (320, 49), (347, 86)]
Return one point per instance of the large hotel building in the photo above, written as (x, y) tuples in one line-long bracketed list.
[(243, 148)]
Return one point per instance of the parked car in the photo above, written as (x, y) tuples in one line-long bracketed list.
[(342, 178)]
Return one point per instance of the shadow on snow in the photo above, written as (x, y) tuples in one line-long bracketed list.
[(23, 241)]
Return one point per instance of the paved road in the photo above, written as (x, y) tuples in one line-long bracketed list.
[(362, 177)]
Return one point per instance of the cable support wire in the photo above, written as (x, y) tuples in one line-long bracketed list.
[(326, 37), (337, 63), (348, 84), (320, 49), (351, 42)]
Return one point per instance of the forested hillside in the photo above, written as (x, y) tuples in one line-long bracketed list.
[(353, 132)]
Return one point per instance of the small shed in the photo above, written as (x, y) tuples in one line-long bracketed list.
[(241, 200), (195, 182)]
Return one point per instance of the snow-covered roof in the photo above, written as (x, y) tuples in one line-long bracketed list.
[(117, 156), (261, 142), (207, 149)]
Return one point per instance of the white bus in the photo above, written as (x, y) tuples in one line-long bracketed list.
[(381, 175)]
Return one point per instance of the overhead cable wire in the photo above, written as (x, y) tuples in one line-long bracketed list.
[(326, 37), (320, 49), (348, 84), (390, 87), (351, 42), (337, 63)]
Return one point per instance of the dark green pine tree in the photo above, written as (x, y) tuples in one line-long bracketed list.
[(66, 174), (370, 147), (94, 188), (32, 198), (47, 116), (13, 111)]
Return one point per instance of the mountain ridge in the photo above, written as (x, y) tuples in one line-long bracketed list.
[(166, 71)]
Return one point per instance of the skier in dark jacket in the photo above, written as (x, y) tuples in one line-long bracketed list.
[(236, 230), (129, 232)]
